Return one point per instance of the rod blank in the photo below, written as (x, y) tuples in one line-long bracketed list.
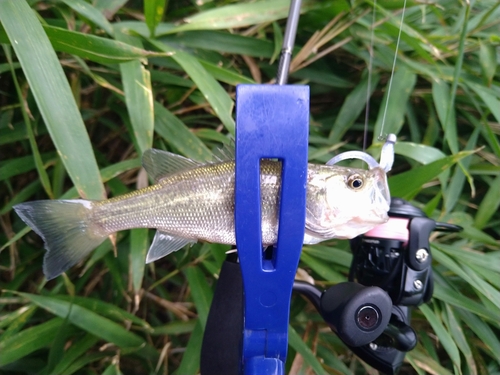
[(288, 42)]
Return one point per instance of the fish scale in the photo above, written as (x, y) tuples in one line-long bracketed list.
[(196, 204)]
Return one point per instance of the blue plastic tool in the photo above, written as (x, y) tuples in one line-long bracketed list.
[(272, 122)]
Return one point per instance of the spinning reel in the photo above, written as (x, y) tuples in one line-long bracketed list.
[(390, 273)]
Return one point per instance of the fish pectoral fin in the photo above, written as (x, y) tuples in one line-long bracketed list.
[(159, 163), (164, 244)]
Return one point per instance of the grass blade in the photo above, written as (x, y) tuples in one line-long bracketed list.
[(138, 97), (28, 341), (88, 11), (153, 11), (53, 95), (201, 293), (443, 335), (295, 341), (213, 92), (403, 82), (178, 135), (408, 183), (93, 323)]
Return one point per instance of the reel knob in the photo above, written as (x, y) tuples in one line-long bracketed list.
[(358, 314)]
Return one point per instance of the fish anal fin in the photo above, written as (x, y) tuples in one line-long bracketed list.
[(164, 244), (159, 163)]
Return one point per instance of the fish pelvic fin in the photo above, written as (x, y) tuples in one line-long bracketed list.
[(66, 228), (164, 244)]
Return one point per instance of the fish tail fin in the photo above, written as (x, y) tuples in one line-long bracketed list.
[(66, 228)]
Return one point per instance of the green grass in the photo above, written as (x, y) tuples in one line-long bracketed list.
[(86, 87)]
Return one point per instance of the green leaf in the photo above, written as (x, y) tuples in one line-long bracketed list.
[(28, 341), (443, 102), (483, 331), (295, 341), (488, 61), (93, 323), (457, 332), (489, 97), (190, 363), (77, 349), (457, 182), (442, 334), (15, 321), (390, 119), (201, 293), (422, 153), (223, 42), (354, 103), (408, 183), (42, 173), (53, 95), (213, 92), (239, 15), (321, 268), (138, 97), (177, 134), (139, 244), (95, 48), (88, 11), (470, 277), (153, 11), (489, 204), (420, 359)]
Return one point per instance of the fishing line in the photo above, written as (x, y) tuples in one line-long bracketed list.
[(370, 67), (380, 137)]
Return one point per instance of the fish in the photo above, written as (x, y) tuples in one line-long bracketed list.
[(192, 201)]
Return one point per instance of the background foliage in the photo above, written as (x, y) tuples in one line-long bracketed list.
[(86, 87)]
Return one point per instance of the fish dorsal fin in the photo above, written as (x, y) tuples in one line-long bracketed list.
[(164, 244), (159, 163), (226, 152)]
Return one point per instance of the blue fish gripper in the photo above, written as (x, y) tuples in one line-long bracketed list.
[(272, 122)]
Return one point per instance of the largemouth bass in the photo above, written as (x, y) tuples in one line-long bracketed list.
[(191, 201)]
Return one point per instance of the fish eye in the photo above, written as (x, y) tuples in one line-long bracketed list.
[(355, 181)]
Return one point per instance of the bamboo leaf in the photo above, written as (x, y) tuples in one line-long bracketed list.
[(457, 332), (408, 183), (488, 61), (93, 323), (443, 102), (139, 244), (239, 15), (443, 335), (28, 341), (53, 96), (94, 48), (88, 11), (489, 204), (354, 103), (75, 351), (138, 97), (191, 358), (201, 293), (295, 341), (177, 134), (398, 94), (153, 11), (218, 98)]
